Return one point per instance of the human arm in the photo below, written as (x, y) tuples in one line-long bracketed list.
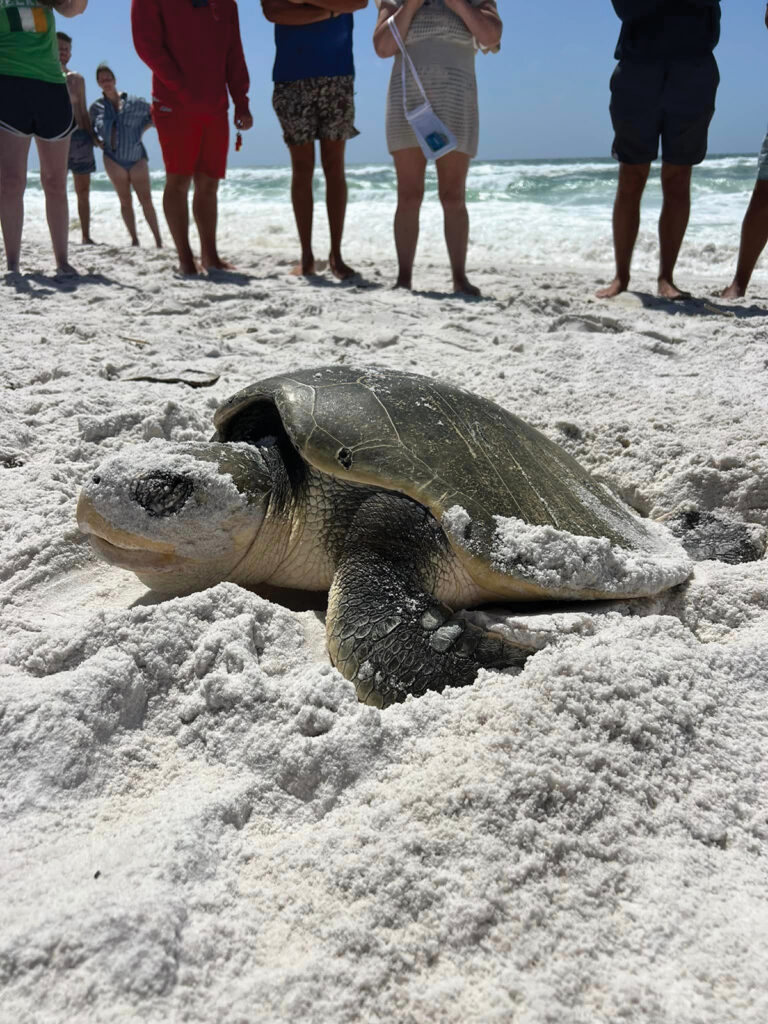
[(482, 21), (339, 6), (383, 41), (238, 80), (629, 10), (67, 8), (289, 12), (96, 118), (148, 122), (148, 38), (76, 88)]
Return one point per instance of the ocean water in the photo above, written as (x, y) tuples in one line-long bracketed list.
[(530, 211)]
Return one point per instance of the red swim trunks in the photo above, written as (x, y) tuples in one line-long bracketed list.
[(192, 142)]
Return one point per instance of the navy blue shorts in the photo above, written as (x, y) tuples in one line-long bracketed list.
[(31, 107), (673, 101)]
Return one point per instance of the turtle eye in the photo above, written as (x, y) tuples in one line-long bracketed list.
[(162, 494)]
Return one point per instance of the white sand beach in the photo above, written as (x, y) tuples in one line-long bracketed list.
[(200, 823)]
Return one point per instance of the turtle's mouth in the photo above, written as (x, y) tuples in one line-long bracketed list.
[(121, 548), (132, 558)]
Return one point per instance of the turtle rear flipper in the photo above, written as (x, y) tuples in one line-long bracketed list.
[(386, 632), (707, 535)]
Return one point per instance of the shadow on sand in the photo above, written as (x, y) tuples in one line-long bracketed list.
[(697, 306)]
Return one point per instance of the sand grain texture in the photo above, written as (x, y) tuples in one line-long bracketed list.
[(200, 823)]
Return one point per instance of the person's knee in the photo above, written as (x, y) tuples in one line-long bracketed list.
[(332, 159), (410, 197), (13, 183), (302, 171), (205, 187), (53, 183), (675, 181), (632, 179), (452, 198), (759, 198), (176, 185)]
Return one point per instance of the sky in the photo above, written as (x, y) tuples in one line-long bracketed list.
[(544, 95)]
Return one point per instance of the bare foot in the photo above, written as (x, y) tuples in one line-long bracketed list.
[(616, 287), (461, 286), (135, 243), (65, 271), (339, 268), (669, 290), (306, 267), (733, 291), (217, 264), (88, 240), (403, 281), (186, 269)]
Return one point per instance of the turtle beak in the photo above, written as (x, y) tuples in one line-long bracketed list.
[(120, 547)]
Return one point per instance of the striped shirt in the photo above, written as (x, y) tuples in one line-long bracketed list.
[(121, 130), (28, 47)]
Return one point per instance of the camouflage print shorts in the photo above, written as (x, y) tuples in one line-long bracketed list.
[(316, 108)]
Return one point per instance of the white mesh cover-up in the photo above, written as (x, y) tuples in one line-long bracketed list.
[(443, 50)]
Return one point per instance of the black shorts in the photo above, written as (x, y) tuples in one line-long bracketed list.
[(31, 107), (672, 101)]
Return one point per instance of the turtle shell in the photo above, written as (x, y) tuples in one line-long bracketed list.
[(511, 502)]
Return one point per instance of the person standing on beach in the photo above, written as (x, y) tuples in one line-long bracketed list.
[(314, 99), (663, 86), (82, 140), (119, 121), (754, 228), (441, 38), (34, 101), (194, 51)]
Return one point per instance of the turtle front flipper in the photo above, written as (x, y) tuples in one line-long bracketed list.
[(387, 632)]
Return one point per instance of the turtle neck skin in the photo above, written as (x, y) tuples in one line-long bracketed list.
[(660, 30)]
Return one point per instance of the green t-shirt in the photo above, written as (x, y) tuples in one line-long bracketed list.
[(28, 46)]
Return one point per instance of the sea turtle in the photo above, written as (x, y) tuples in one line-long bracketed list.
[(404, 496)]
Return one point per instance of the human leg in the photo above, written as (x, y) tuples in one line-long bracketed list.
[(181, 138), (176, 209), (675, 211), (754, 235), (302, 173), (636, 108), (82, 184), (410, 166), (690, 88), (626, 223), (54, 156), (206, 212), (451, 184), (122, 184), (14, 150), (138, 176), (332, 157)]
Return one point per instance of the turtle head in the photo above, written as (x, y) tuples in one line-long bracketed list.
[(181, 516)]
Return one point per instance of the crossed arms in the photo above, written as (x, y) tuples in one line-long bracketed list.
[(298, 12), (482, 21), (629, 10)]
